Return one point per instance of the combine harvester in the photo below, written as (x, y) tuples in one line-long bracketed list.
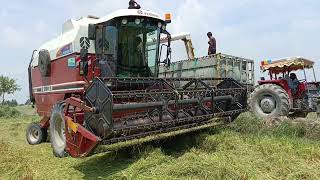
[(98, 83)]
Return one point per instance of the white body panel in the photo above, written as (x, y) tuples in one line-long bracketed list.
[(73, 30)]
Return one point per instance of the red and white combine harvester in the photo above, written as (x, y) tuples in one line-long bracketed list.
[(97, 83)]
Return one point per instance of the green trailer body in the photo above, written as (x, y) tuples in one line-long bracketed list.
[(214, 66)]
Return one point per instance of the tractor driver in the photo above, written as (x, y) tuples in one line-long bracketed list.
[(293, 83)]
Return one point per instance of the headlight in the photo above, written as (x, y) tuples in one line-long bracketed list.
[(137, 21), (124, 21)]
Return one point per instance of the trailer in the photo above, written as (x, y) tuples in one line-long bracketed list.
[(214, 66), (218, 66)]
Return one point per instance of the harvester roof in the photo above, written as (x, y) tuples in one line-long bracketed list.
[(286, 65), (68, 41)]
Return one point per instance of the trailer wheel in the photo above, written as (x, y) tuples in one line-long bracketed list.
[(44, 62), (35, 134), (57, 130), (269, 101)]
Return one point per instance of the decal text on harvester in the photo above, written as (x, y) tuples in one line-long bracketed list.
[(67, 49)]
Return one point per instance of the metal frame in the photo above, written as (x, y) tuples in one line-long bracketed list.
[(120, 109)]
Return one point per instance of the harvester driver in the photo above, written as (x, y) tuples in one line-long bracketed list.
[(138, 52)]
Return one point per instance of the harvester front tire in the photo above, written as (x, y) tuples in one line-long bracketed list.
[(35, 134), (57, 130), (269, 101)]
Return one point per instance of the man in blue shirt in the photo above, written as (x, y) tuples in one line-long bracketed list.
[(293, 83)]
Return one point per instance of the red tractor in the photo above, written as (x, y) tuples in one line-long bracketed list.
[(97, 83), (284, 94)]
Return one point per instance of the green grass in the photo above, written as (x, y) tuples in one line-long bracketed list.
[(7, 112), (246, 149)]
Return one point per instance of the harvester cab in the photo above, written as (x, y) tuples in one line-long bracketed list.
[(285, 94), (97, 83), (127, 44)]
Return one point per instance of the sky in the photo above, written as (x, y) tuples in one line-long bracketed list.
[(255, 29)]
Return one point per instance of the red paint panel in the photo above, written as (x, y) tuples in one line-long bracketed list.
[(45, 103), (60, 73)]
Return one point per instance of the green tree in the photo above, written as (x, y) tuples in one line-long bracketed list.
[(7, 86)]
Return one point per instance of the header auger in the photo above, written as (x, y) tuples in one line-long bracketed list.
[(102, 86)]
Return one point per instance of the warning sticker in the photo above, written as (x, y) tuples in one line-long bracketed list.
[(72, 62)]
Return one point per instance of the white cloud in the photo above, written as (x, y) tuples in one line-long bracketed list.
[(40, 27), (3, 13), (12, 37)]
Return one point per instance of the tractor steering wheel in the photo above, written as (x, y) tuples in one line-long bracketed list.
[(302, 80)]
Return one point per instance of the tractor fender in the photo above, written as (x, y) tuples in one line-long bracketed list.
[(44, 62)]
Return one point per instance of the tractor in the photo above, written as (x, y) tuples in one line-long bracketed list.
[(98, 84), (284, 94)]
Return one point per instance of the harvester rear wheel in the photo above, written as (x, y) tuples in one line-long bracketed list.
[(269, 101), (35, 134), (318, 109), (57, 130)]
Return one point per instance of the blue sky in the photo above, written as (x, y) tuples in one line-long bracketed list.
[(256, 29)]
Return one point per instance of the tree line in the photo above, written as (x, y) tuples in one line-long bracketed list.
[(8, 86)]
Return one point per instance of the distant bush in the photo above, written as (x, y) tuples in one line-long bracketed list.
[(11, 103), (7, 112)]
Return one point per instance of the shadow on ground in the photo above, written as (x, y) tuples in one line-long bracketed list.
[(110, 163)]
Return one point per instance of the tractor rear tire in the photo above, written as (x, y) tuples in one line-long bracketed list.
[(35, 134), (57, 130), (269, 101)]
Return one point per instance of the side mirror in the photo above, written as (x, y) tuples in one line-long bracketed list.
[(92, 31), (83, 66), (168, 59), (169, 50)]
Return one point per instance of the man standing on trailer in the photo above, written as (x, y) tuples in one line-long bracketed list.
[(133, 5), (212, 44)]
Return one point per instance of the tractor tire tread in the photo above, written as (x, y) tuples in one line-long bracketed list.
[(280, 92)]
